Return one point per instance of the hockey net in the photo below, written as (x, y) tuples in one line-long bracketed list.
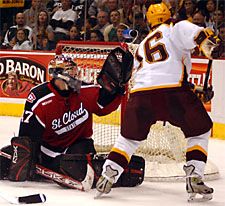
[(165, 148)]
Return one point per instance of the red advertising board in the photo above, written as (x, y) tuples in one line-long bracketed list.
[(20, 71)]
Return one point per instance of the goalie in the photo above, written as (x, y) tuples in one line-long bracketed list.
[(56, 128)]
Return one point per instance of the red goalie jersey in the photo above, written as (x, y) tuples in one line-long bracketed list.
[(59, 121)]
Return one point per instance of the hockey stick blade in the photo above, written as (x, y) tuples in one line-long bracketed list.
[(29, 199), (36, 198)]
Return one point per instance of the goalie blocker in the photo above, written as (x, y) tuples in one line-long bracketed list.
[(19, 165)]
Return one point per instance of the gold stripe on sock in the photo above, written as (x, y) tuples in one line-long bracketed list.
[(197, 147)]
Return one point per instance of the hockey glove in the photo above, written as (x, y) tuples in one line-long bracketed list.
[(207, 41), (204, 95)]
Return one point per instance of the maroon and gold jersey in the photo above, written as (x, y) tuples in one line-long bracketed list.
[(59, 121)]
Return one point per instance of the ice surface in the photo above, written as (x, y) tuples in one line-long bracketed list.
[(147, 194)]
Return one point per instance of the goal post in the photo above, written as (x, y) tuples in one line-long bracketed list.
[(165, 148)]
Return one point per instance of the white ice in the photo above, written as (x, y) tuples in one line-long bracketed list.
[(147, 194)]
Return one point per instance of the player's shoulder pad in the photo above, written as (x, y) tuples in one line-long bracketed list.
[(38, 92)]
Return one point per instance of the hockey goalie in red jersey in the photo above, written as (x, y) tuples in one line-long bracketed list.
[(161, 92), (57, 118)]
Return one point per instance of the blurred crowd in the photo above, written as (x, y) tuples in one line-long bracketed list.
[(40, 24)]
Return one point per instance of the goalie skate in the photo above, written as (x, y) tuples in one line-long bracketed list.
[(195, 187)]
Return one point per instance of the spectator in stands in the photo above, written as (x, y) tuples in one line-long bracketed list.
[(140, 23), (187, 11), (133, 10), (119, 33), (74, 34), (46, 44), (102, 21), (43, 29), (62, 20), (139, 7), (220, 50), (105, 5), (111, 5), (190, 8), (95, 7), (218, 19), (126, 7), (199, 19), (210, 8), (21, 41), (9, 39), (110, 30), (89, 25), (53, 6), (96, 35), (31, 14)]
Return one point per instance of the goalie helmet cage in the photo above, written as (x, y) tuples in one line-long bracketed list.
[(164, 149)]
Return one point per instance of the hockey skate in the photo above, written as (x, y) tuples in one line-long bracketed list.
[(195, 186), (105, 182)]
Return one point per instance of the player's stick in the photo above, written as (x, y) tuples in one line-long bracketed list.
[(207, 74), (85, 185), (29, 199)]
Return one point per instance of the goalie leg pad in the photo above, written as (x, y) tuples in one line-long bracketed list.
[(21, 159), (75, 166), (5, 162), (133, 175)]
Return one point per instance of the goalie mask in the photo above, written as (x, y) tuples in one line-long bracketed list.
[(66, 69)]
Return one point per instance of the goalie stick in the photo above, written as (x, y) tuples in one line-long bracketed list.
[(84, 185), (29, 199)]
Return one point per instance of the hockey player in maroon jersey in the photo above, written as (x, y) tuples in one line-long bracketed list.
[(56, 126), (161, 92)]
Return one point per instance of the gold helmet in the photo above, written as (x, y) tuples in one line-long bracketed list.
[(157, 14)]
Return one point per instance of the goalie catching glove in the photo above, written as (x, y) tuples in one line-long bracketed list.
[(204, 95), (116, 71)]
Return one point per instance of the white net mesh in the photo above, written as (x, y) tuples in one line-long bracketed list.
[(164, 150)]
